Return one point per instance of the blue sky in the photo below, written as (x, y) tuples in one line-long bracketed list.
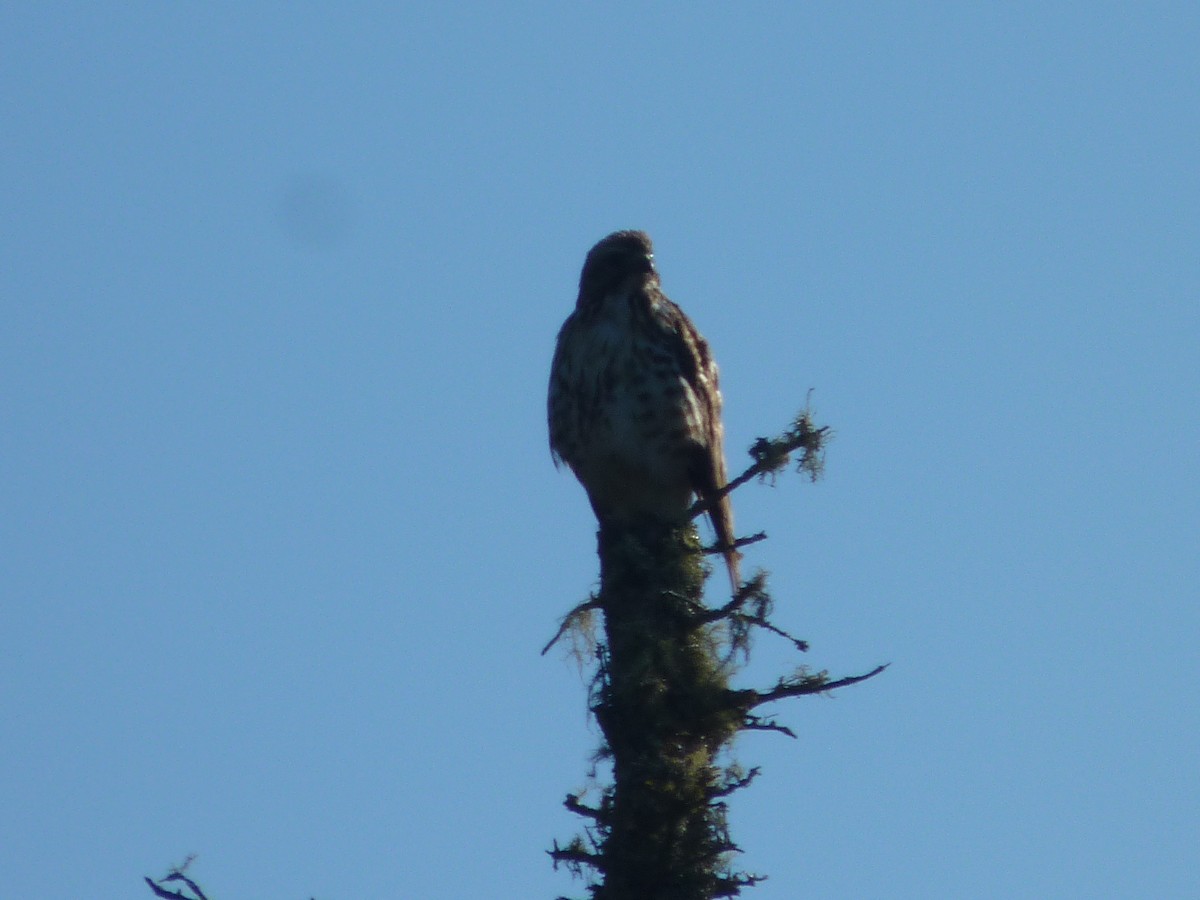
[(280, 536)]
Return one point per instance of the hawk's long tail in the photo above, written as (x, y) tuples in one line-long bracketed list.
[(721, 517)]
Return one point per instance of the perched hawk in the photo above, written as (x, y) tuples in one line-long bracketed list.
[(634, 406)]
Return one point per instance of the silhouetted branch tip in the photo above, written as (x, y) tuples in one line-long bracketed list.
[(855, 679), (765, 624), (732, 886), (576, 617), (575, 856), (736, 782), (176, 875), (747, 541), (755, 723), (572, 803), (714, 549), (802, 684)]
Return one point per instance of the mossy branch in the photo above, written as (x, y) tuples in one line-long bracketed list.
[(771, 456)]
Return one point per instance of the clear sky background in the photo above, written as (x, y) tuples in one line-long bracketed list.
[(280, 538)]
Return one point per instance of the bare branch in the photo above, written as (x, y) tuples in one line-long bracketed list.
[(714, 549), (809, 684), (572, 803), (754, 723), (763, 623)]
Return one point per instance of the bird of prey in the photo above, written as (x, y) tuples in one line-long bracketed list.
[(634, 406)]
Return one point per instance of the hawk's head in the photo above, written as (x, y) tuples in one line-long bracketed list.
[(613, 261)]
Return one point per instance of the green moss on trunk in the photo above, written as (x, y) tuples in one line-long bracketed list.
[(661, 700)]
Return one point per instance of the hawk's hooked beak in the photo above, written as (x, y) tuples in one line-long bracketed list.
[(647, 264)]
